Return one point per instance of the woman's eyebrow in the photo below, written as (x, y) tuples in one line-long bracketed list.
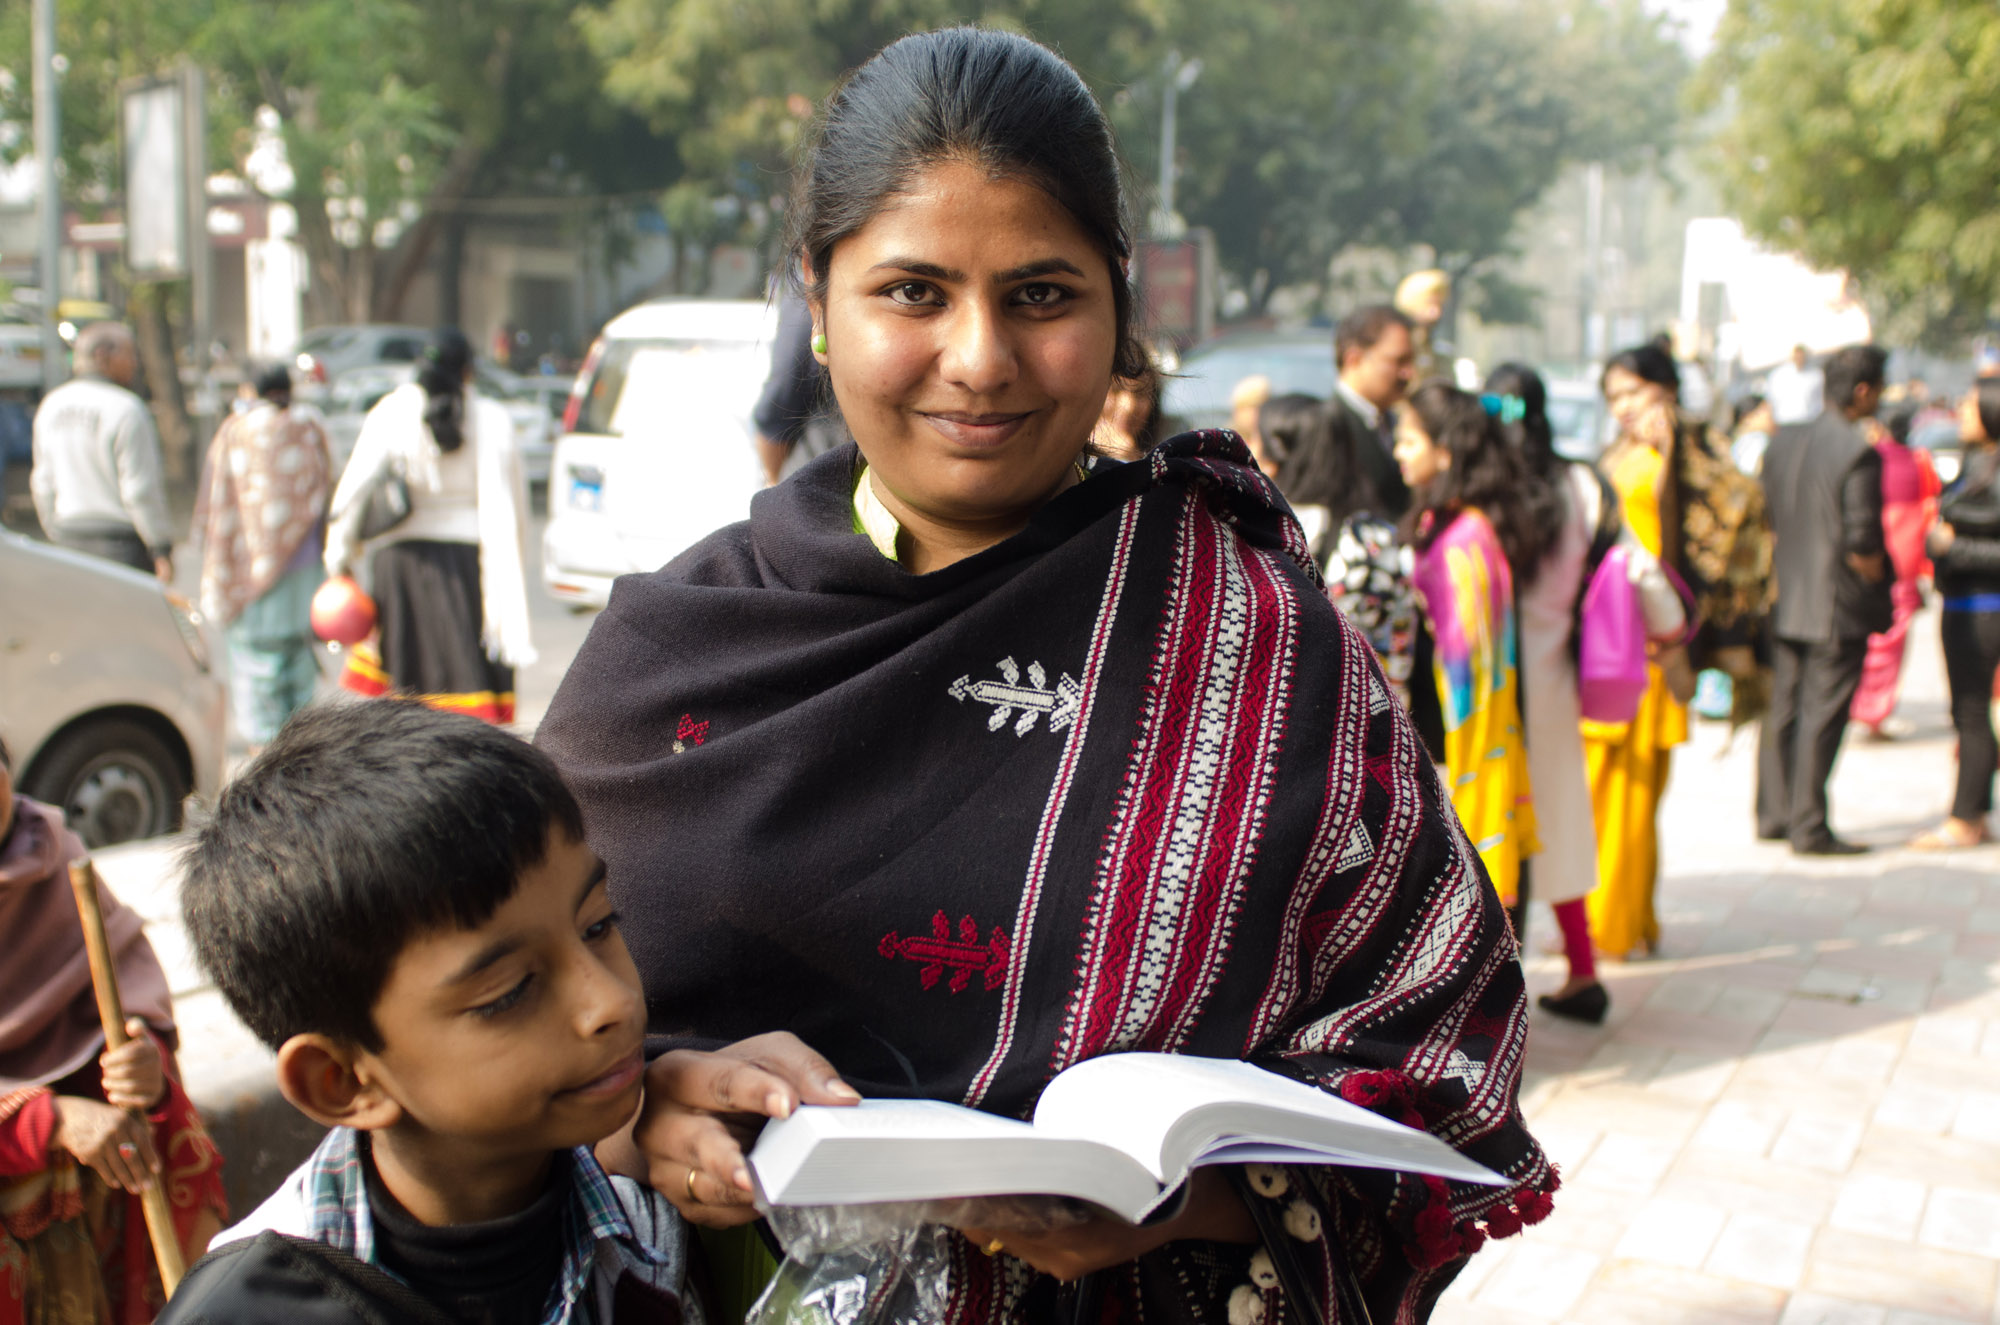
[(1044, 267), (918, 267)]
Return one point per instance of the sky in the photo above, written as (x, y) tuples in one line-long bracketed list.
[(1697, 19)]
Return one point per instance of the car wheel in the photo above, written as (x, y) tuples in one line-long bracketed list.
[(114, 780)]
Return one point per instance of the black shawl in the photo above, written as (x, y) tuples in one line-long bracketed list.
[(1124, 781)]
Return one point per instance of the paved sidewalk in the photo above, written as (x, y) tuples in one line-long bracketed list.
[(1793, 1115)]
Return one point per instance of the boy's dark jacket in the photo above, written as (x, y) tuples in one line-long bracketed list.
[(273, 1279)]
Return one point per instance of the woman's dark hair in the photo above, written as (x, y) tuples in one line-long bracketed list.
[(1987, 392), (1745, 407), (1485, 472), (1648, 363), (1525, 429), (1316, 467), (994, 99), (441, 373), (274, 382)]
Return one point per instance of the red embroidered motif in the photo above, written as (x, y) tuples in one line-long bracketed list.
[(963, 955), (689, 733)]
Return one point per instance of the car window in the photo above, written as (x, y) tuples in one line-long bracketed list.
[(1206, 379), (324, 340), (400, 349), (659, 368)]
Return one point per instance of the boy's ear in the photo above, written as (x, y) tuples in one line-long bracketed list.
[(326, 1080)]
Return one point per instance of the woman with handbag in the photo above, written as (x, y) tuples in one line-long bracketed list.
[(433, 497), (1965, 557), (1692, 509), (972, 755)]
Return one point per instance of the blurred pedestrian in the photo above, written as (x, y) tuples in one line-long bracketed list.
[(1375, 356), (1796, 389), (97, 481), (450, 590), (1129, 424), (1473, 514), (1421, 297), (83, 1129), (1549, 592), (1685, 502), (1246, 399), (1750, 434), (791, 416), (1909, 507), (1823, 490), (1315, 466), (262, 523), (1965, 555)]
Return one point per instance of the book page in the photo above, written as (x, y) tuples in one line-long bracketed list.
[(1170, 1112), (904, 1150)]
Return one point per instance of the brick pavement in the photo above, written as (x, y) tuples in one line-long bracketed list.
[(1792, 1116)]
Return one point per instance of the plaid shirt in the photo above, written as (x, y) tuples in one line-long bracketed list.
[(334, 1191)]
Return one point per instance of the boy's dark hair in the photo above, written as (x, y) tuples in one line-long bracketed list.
[(1853, 366), (360, 827), (1363, 327)]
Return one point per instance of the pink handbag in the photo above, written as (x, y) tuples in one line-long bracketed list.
[(1611, 644)]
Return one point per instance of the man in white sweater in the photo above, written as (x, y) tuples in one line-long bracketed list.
[(97, 481)]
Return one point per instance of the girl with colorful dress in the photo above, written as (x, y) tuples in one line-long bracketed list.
[(1473, 512)]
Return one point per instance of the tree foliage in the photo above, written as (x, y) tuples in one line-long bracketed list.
[(1315, 124), (1865, 135), (394, 114)]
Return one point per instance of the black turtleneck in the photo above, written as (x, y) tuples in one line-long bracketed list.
[(498, 1272)]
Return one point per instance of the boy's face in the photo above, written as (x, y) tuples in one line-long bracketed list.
[(523, 1035)]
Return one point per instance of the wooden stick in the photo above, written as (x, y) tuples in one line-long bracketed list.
[(111, 1011)]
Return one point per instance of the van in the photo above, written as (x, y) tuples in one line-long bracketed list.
[(657, 448)]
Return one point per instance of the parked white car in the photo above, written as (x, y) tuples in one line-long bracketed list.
[(110, 702), (657, 448)]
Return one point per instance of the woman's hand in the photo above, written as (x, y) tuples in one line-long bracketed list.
[(1941, 539), (118, 1146), (704, 1110), (1656, 426), (1214, 1213), (134, 1077)]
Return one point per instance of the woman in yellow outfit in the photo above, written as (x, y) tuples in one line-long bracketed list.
[(1708, 526)]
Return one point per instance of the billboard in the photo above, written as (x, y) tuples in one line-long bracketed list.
[(154, 144)]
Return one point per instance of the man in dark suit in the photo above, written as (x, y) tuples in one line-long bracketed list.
[(1375, 354), (1823, 495)]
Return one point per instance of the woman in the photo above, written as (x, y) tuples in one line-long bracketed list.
[(1965, 556), (1052, 757), (1693, 510), (1551, 589), (450, 591), (1909, 508), (73, 1243), (1473, 514), (262, 529)]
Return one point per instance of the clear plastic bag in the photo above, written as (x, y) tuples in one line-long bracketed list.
[(886, 1264)]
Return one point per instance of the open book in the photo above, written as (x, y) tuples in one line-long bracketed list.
[(1121, 1131)]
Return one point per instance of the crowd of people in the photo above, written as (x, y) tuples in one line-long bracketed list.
[(1254, 748)]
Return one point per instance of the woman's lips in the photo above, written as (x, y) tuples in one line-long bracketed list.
[(617, 1079), (977, 430)]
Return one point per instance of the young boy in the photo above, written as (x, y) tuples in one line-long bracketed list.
[(399, 901)]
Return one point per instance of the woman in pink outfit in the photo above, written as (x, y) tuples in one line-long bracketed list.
[(1909, 507)]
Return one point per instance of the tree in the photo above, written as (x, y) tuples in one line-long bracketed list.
[(1512, 95), (1862, 135)]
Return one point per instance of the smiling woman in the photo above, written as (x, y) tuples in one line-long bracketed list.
[(972, 755)]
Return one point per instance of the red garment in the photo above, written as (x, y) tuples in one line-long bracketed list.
[(1910, 490), (41, 1188)]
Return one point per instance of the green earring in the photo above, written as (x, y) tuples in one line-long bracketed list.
[(819, 342)]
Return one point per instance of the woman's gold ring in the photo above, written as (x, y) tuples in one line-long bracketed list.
[(995, 1247), (690, 1188)]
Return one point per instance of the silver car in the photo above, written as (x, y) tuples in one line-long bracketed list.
[(109, 702)]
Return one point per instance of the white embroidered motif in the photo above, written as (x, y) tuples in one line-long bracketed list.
[(1460, 1068), (1357, 850), (1032, 700)]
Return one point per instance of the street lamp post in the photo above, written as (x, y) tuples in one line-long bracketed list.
[(48, 209), (1179, 76)]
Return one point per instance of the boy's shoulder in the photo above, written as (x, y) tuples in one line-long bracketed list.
[(276, 1279), (301, 1241)]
